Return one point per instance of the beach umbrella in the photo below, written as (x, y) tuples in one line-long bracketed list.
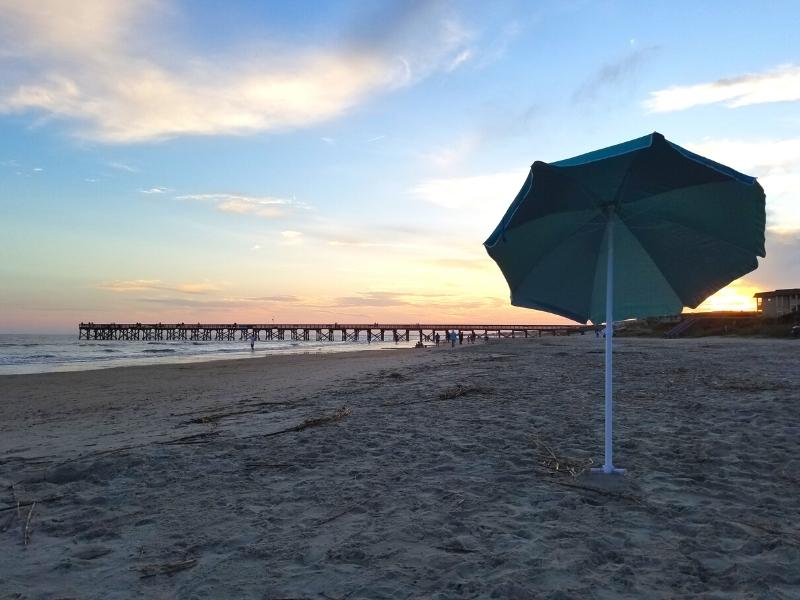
[(639, 229)]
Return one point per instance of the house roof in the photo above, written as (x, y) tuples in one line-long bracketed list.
[(772, 294)]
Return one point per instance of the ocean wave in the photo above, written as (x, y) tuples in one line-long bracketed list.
[(40, 356), (158, 350)]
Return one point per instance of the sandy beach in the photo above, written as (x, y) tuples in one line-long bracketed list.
[(431, 473)]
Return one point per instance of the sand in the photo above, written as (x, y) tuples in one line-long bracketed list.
[(427, 473)]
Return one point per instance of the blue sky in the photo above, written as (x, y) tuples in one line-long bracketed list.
[(318, 161)]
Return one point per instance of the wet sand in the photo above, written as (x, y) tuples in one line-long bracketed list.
[(409, 473)]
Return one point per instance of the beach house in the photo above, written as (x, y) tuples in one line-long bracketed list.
[(778, 302)]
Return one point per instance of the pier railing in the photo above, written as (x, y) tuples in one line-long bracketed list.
[(323, 332)]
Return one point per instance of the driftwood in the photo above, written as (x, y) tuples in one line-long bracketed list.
[(26, 531), (166, 568), (197, 438), (556, 464), (340, 514), (267, 465), (790, 537), (340, 414), (457, 391)]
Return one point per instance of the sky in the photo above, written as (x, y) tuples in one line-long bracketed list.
[(344, 161)]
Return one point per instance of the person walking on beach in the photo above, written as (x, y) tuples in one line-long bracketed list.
[(453, 338), (460, 337), (252, 341), (436, 339)]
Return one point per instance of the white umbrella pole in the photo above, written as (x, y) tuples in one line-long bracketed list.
[(608, 464)]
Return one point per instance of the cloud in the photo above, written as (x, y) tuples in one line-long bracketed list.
[(781, 84), (613, 74), (291, 237), (110, 68), (460, 59), (386, 299), (463, 263), (155, 190), (408, 301), (225, 303), (119, 166), (455, 152), (487, 193), (268, 207), (781, 269), (139, 285), (279, 298)]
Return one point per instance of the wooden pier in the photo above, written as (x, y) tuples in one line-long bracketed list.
[(319, 332)]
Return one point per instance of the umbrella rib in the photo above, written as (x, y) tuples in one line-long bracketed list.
[(695, 229), (581, 228), (644, 246)]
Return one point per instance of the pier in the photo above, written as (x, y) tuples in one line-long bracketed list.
[(320, 332)]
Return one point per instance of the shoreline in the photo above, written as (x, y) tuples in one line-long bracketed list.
[(70, 355), (203, 359)]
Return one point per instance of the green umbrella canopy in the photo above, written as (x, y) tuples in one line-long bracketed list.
[(683, 227)]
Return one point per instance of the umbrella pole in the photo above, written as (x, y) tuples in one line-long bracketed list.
[(608, 464)]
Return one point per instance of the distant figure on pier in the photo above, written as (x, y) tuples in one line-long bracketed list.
[(252, 341)]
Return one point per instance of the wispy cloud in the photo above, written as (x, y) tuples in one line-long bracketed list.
[(613, 74), (781, 84), (460, 59), (414, 301), (480, 264), (107, 70), (482, 193), (119, 166), (140, 285), (226, 303), (155, 190), (455, 152), (268, 207), (291, 236)]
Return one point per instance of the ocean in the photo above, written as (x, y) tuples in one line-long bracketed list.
[(20, 354)]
